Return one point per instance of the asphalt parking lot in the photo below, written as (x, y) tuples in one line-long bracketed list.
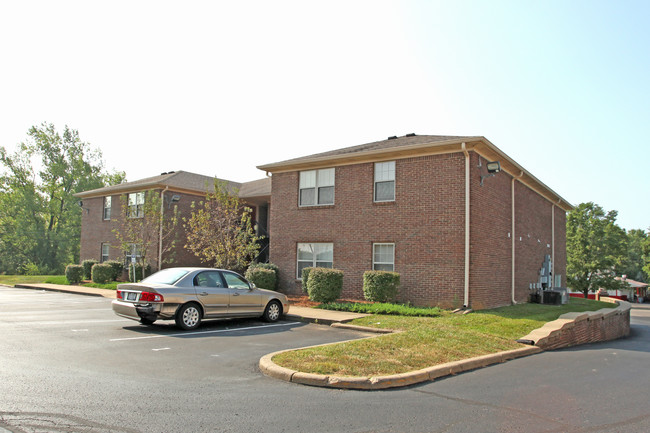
[(83, 324), (67, 363)]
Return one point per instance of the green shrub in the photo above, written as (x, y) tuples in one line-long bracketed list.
[(28, 268), (262, 278), (324, 285), (380, 286), (102, 273), (269, 266), (138, 272), (88, 268), (117, 268), (305, 278), (74, 273)]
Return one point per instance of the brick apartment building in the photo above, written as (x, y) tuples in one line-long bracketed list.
[(423, 206), (102, 212)]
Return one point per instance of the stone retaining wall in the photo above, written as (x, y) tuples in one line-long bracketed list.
[(572, 329)]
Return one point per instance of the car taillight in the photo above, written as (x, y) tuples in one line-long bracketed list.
[(151, 297), (119, 294)]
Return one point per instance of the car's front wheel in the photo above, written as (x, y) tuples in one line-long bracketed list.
[(272, 312), (188, 317)]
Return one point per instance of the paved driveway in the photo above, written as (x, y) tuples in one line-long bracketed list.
[(84, 369)]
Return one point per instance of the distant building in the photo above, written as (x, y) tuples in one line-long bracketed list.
[(102, 209)]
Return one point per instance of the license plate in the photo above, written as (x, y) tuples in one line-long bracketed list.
[(131, 296)]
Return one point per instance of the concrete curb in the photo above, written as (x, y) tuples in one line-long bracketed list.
[(269, 368), (78, 290)]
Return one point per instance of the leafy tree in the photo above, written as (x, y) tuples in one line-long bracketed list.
[(220, 231), (596, 247), (149, 227), (646, 254), (636, 258), (40, 222)]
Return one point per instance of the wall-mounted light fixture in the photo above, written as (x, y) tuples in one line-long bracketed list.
[(493, 168), (175, 199), (81, 205)]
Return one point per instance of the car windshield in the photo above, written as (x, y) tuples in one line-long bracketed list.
[(166, 276)]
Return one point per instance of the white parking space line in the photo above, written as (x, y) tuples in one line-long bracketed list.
[(216, 331), (162, 348), (64, 322), (53, 311)]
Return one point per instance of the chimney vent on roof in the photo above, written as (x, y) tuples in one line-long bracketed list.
[(412, 134), (393, 137)]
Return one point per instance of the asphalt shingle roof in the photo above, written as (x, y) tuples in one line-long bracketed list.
[(180, 180)]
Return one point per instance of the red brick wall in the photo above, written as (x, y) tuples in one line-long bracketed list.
[(589, 327), (491, 244), (427, 225), (533, 238), (95, 230)]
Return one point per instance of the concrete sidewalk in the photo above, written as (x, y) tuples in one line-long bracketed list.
[(301, 314)]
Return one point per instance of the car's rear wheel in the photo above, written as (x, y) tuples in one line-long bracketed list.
[(188, 317), (272, 312)]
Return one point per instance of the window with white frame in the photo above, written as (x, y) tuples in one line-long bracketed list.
[(383, 257), (106, 248), (136, 205), (385, 181), (318, 255), (316, 187), (107, 208)]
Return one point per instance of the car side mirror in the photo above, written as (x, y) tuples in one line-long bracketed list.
[(251, 286)]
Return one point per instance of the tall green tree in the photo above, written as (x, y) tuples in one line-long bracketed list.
[(635, 258), (41, 221), (220, 231), (596, 248), (646, 256)]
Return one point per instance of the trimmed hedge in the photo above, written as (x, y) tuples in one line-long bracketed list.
[(324, 285), (305, 278), (380, 286), (138, 272), (117, 268), (102, 273), (88, 268), (74, 273), (269, 266), (262, 278)]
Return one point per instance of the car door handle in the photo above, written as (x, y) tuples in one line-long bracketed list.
[(203, 294), (235, 294)]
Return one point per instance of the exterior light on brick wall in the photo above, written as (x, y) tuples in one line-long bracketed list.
[(493, 168)]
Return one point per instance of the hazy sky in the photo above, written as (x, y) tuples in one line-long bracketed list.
[(219, 87)]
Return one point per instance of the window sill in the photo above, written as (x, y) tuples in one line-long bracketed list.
[(384, 203), (317, 206)]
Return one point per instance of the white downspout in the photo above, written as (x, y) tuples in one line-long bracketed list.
[(160, 233), (553, 241), (512, 231), (467, 238)]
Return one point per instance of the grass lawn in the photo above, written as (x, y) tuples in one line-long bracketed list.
[(11, 280), (428, 341)]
